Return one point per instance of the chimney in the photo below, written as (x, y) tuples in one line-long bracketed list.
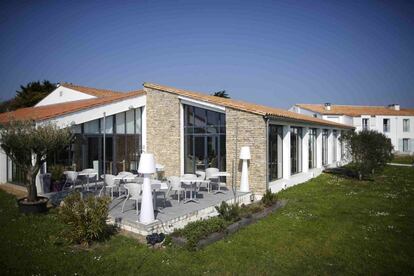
[(394, 106), (327, 106)]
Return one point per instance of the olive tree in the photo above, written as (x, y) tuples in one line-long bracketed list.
[(28, 145), (369, 150)]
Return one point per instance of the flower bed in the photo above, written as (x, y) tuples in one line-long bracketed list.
[(201, 233)]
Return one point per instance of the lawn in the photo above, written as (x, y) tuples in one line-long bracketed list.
[(331, 225), (403, 159)]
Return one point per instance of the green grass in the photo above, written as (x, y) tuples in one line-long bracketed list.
[(403, 159), (330, 225)]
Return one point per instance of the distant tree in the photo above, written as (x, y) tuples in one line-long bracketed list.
[(31, 94), (222, 94), (369, 151), (5, 105)]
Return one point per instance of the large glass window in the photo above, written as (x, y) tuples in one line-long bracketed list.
[(204, 139), (386, 123), (406, 145), (324, 147), (295, 149), (312, 148), (122, 144), (275, 152), (365, 124), (406, 125)]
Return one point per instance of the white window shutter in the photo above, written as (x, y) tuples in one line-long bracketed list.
[(373, 121), (400, 145), (411, 145)]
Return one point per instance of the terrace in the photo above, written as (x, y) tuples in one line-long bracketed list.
[(169, 213)]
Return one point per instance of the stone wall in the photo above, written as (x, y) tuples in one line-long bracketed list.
[(251, 132), (163, 138), (163, 129)]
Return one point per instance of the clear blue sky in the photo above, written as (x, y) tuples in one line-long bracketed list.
[(269, 52)]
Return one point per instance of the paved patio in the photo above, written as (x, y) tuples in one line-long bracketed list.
[(173, 216)]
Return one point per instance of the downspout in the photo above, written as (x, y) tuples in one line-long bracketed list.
[(267, 152)]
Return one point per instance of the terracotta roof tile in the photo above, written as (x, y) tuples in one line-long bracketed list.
[(50, 111), (356, 110), (248, 107), (91, 91)]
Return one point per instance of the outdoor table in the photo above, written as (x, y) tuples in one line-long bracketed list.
[(220, 174), (192, 183), (87, 174)]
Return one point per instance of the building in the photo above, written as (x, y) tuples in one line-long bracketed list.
[(186, 131), (395, 122)]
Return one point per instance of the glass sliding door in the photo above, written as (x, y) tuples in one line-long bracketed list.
[(312, 148), (295, 149), (275, 151), (204, 139), (324, 147)]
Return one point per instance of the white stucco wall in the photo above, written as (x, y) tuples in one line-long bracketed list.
[(63, 94), (3, 166)]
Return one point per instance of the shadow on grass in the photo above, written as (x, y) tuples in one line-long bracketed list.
[(346, 172)]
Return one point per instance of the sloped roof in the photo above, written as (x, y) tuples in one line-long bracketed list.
[(40, 113), (356, 110), (244, 106), (91, 91)]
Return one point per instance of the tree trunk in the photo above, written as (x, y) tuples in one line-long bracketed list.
[(360, 176), (31, 186)]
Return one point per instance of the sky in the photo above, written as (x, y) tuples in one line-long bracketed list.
[(276, 53)]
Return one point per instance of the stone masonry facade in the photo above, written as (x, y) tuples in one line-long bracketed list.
[(163, 129), (163, 138), (251, 131)]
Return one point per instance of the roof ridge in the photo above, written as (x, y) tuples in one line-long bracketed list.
[(244, 106), (74, 86)]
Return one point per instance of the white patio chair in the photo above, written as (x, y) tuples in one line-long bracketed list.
[(164, 189), (210, 176), (133, 193), (201, 175), (175, 185), (90, 174), (71, 178), (109, 183)]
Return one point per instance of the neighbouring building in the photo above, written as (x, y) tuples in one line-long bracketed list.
[(186, 131), (395, 122)]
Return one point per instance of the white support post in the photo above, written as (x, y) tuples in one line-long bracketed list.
[(286, 152), (319, 148), (330, 146), (305, 149)]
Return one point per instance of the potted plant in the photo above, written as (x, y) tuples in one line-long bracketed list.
[(56, 172), (27, 145)]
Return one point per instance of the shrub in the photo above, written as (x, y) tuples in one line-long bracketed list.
[(369, 151), (228, 212), (269, 198), (56, 172), (248, 210), (197, 230), (86, 218)]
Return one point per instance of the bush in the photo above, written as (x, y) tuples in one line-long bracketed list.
[(86, 218), (197, 230), (269, 198), (56, 172), (228, 212), (369, 151), (248, 210)]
